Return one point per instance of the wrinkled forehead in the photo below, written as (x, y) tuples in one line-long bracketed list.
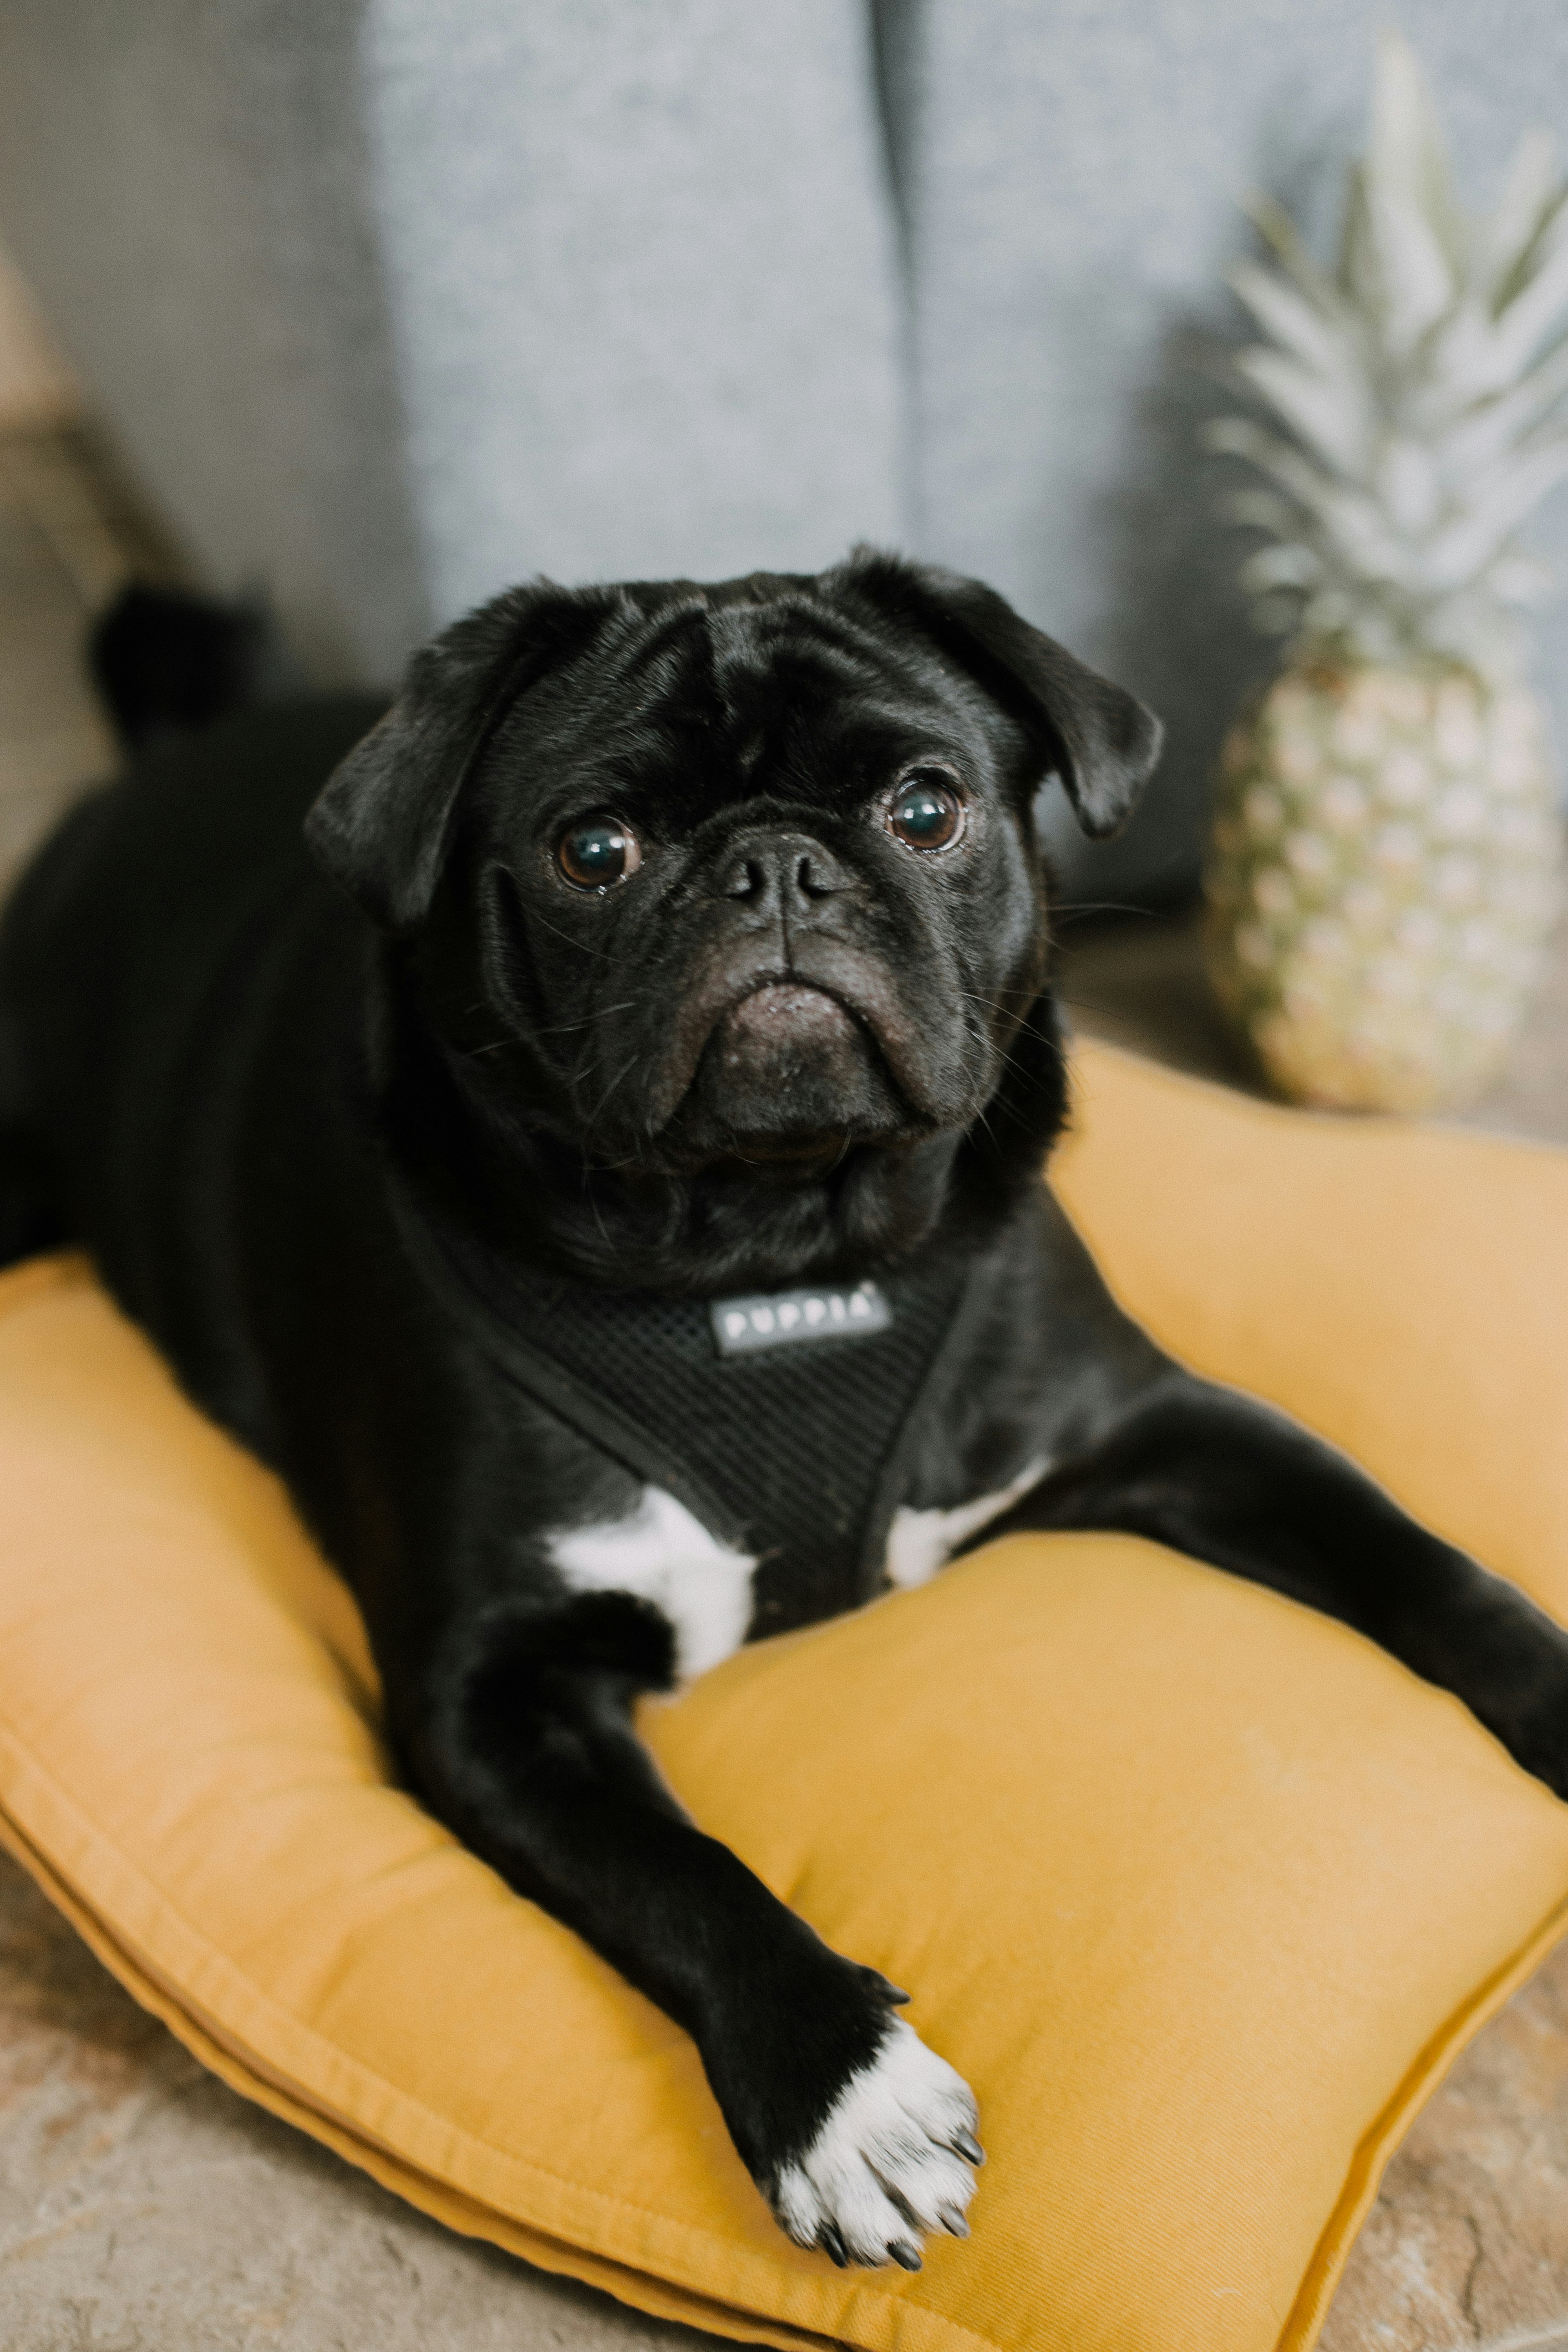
[(693, 706)]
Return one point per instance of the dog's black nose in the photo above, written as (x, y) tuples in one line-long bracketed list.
[(778, 873)]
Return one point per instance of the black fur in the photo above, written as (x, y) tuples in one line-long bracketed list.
[(167, 660), (235, 1074)]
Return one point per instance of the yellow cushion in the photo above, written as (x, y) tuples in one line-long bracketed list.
[(1200, 1891)]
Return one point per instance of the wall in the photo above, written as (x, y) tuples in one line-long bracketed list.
[(389, 303)]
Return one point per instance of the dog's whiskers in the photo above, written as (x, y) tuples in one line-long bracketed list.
[(991, 1003), (603, 1104), (568, 1028), (557, 933)]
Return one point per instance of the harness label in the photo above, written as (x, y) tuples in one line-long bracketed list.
[(789, 1318)]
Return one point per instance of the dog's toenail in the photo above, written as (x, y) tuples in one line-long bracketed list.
[(833, 2245), (905, 2255), (968, 2146)]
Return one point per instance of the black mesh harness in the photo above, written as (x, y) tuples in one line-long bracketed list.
[(799, 1454)]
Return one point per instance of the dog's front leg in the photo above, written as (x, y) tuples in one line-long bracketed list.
[(1231, 1481), (859, 2136)]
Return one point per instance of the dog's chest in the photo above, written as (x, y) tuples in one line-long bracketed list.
[(704, 1587), (771, 1454)]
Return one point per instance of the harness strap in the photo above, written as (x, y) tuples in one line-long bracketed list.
[(799, 1455)]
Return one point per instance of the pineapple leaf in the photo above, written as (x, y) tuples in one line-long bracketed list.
[(1489, 428), (1529, 194), (1325, 412), (1289, 564), (1295, 323), (1524, 324), (1404, 253), (1280, 230), (1415, 283), (1407, 161), (1263, 510), (1458, 554), (1461, 366), (1357, 276), (1528, 261), (1409, 484), (1348, 521)]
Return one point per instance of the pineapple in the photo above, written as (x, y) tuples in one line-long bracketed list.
[(1386, 844)]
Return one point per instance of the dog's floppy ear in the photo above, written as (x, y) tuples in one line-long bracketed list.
[(384, 823), (1101, 739)]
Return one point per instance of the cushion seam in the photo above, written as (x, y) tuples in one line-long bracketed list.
[(221, 2030)]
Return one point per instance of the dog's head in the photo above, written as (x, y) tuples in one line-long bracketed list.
[(725, 903)]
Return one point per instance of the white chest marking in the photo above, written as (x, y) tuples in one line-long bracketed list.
[(918, 1542), (664, 1555)]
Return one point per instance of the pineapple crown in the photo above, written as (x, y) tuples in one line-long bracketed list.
[(1419, 386)]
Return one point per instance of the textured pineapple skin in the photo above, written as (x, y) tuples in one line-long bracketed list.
[(1384, 870)]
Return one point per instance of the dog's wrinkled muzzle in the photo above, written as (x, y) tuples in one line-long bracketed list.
[(804, 1012), (790, 1075)]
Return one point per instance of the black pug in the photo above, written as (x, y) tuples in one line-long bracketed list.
[(585, 1132)]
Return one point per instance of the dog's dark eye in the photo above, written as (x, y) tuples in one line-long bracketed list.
[(925, 811), (598, 851)]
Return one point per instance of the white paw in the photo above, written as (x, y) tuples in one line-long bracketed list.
[(889, 2162)]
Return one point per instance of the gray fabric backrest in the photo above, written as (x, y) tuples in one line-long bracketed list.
[(388, 302)]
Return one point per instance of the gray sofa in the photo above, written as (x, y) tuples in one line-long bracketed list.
[(388, 302)]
